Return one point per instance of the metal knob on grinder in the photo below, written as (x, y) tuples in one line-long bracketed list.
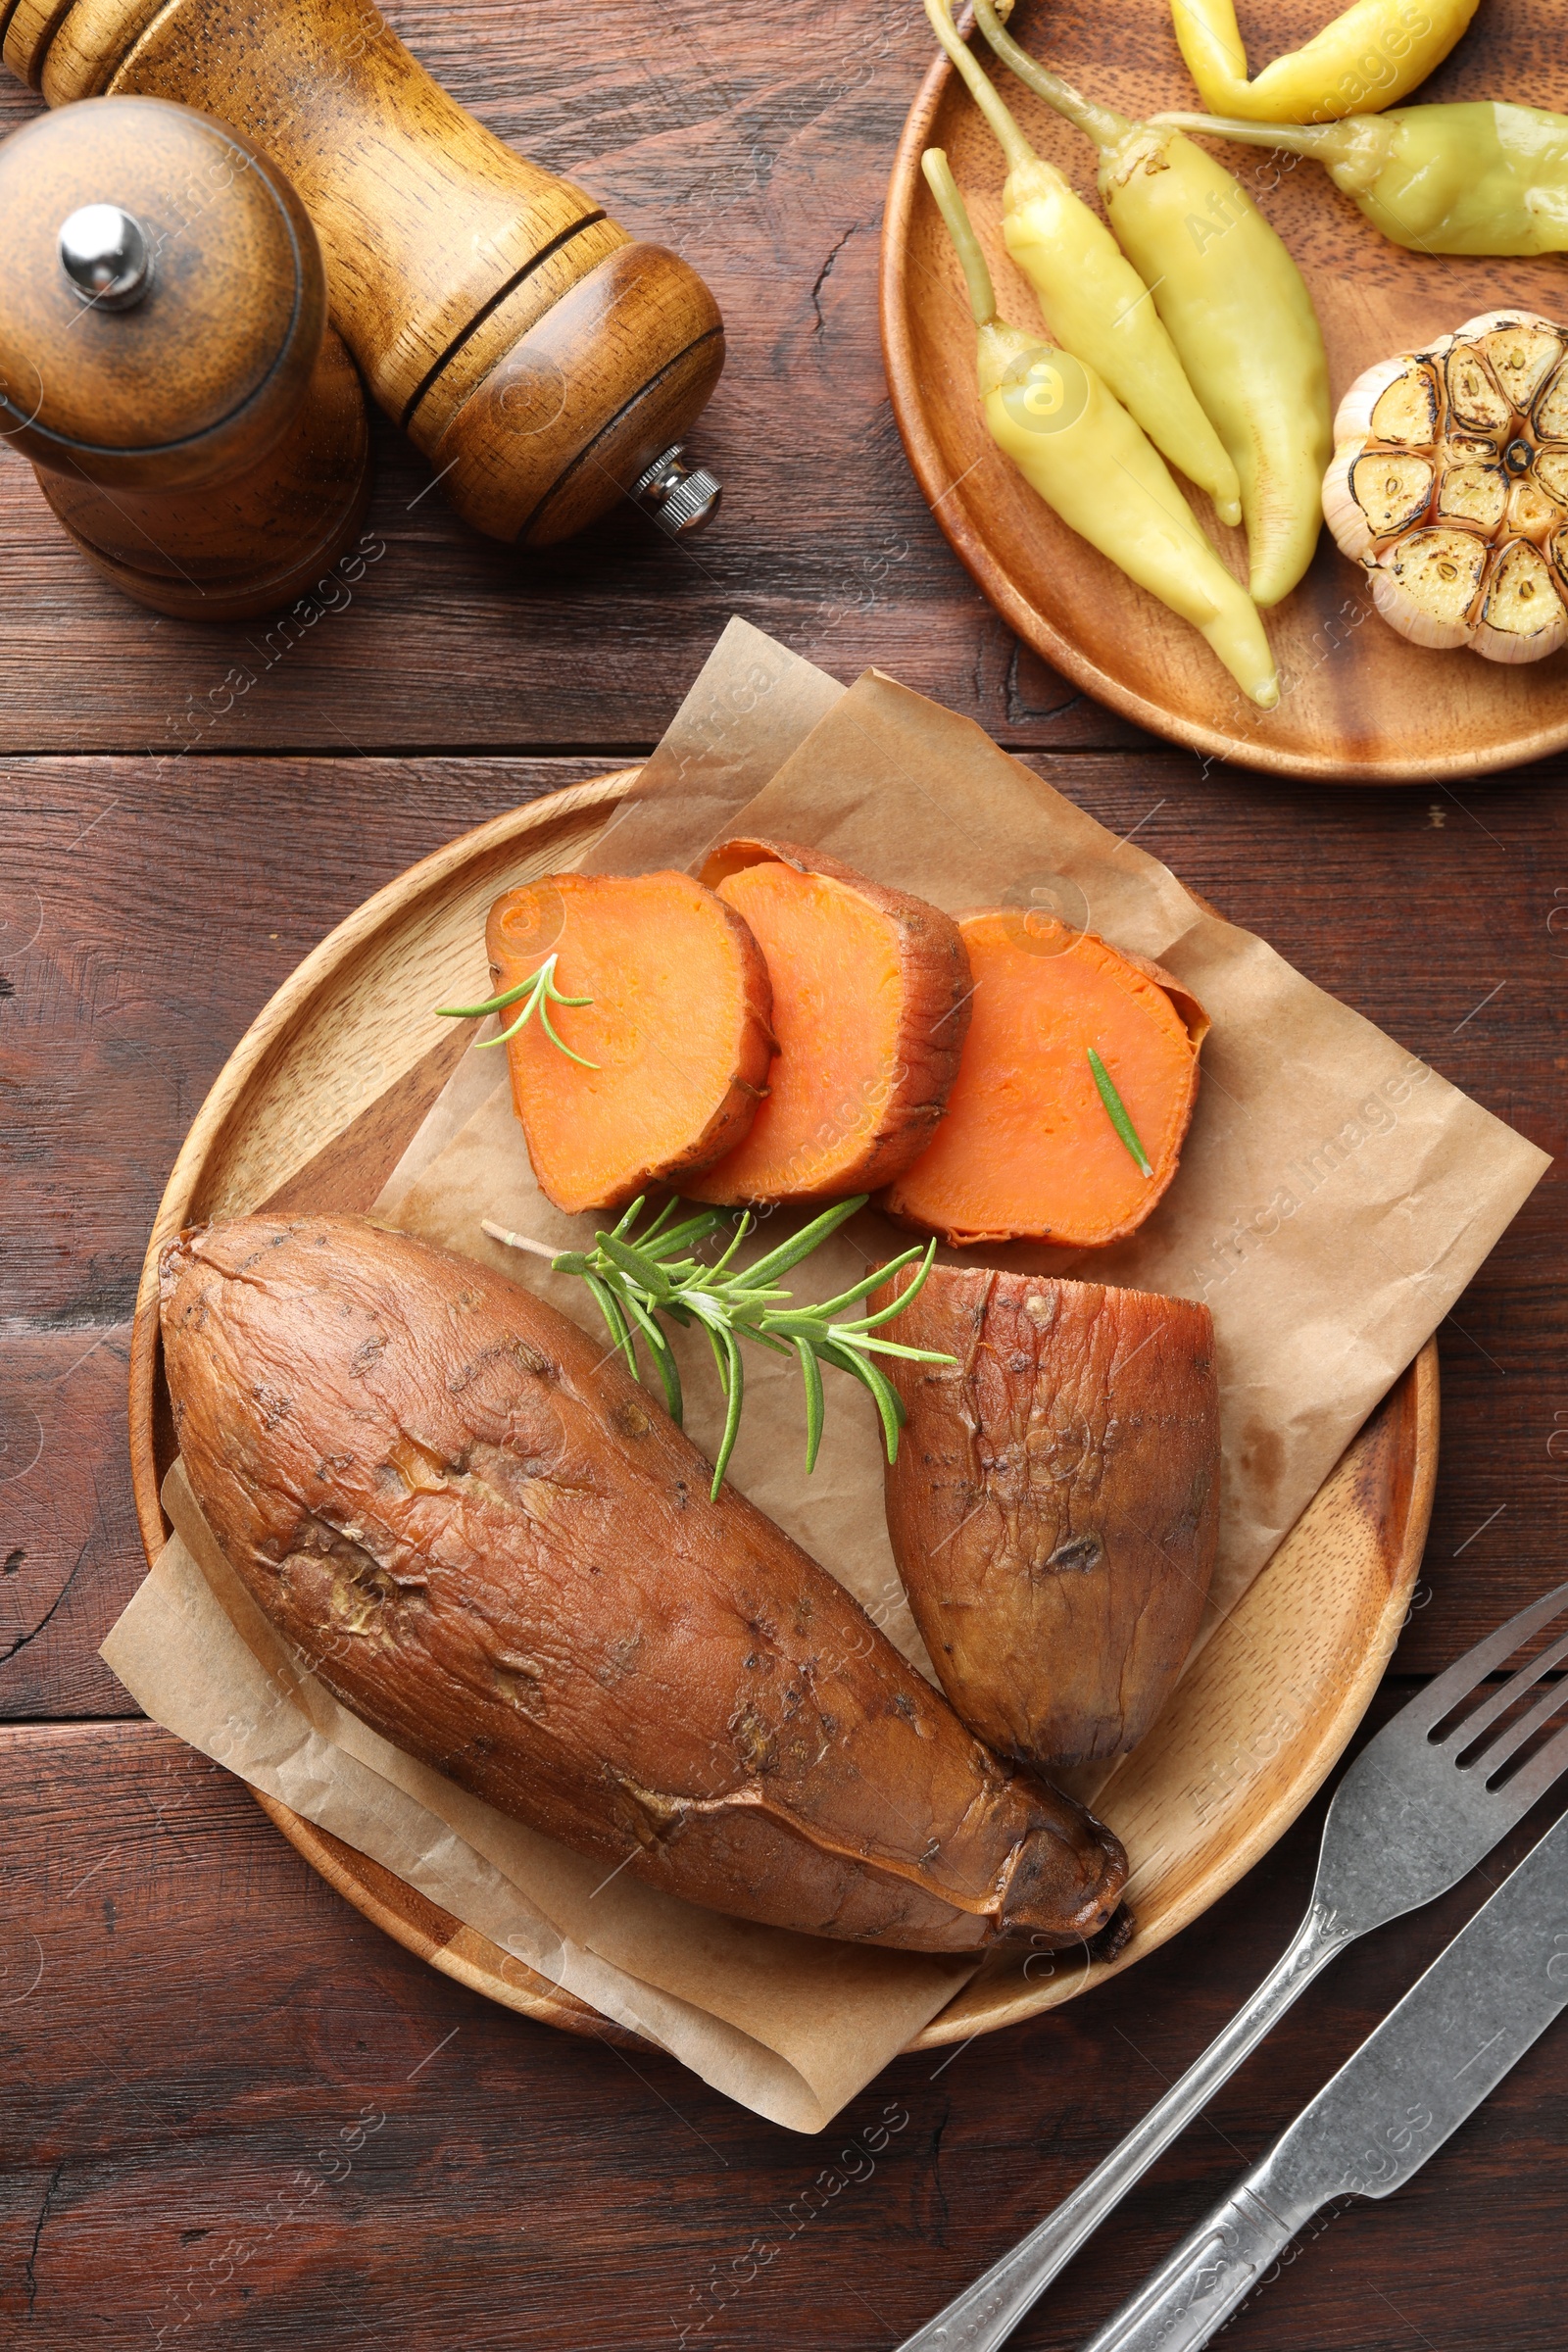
[(165, 360)]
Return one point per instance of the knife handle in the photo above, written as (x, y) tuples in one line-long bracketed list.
[(1208, 2277)]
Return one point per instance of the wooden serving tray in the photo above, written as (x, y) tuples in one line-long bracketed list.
[(1359, 704), (312, 1111)]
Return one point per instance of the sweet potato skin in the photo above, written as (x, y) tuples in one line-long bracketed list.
[(858, 1144), (683, 1113), (1055, 1505), (497, 1549)]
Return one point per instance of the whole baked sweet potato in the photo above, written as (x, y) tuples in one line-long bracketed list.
[(497, 1549), (1055, 1504)]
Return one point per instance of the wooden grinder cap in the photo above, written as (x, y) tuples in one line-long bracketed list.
[(205, 366)]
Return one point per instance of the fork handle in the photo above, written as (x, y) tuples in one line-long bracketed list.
[(985, 2314), (1210, 2275)]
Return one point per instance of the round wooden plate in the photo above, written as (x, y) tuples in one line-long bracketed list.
[(312, 1109), (1359, 704)]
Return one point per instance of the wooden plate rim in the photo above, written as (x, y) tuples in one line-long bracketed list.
[(1000, 590), (438, 1939)]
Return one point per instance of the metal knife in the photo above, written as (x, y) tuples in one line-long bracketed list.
[(1433, 2060)]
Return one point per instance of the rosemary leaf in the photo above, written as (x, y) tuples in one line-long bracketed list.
[(541, 991), (639, 1278), (811, 1376), (1117, 1112)]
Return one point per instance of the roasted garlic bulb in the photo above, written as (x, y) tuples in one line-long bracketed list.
[(1449, 482)]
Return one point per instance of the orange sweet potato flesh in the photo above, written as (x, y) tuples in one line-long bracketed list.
[(1027, 1149), (870, 1006), (497, 1549), (679, 1025), (1055, 1505)]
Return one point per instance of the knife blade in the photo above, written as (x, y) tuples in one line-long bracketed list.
[(1456, 2034)]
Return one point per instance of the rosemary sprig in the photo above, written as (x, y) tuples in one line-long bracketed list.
[(541, 993), (1117, 1112), (637, 1278)]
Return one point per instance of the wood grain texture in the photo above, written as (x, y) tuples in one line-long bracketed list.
[(1357, 702), (193, 2022), (206, 2021)]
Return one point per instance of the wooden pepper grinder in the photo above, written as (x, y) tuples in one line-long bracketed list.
[(545, 362), (165, 360)]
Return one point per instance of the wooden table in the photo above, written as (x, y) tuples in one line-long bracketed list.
[(187, 2014)]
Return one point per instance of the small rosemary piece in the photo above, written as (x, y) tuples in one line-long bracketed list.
[(635, 1278), (541, 993), (1117, 1112)]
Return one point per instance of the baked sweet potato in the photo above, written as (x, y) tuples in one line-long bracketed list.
[(1029, 1146), (493, 1547), (870, 1006), (1055, 1505), (677, 1030)]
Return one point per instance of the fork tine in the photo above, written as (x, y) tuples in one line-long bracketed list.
[(1537, 1776), (1461, 1678), (1551, 1701), (1513, 1688)]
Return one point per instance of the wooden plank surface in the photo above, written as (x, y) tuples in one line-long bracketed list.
[(193, 2031), (190, 2023)]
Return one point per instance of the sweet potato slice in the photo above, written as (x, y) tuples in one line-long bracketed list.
[(678, 1027), (871, 1005), (1028, 1148), (497, 1549), (1055, 1506)]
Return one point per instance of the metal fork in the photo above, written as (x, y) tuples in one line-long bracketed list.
[(1422, 1804)]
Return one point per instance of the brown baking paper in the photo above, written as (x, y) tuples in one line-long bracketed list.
[(1334, 1198)]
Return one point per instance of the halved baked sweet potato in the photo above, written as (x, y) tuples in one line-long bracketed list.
[(1055, 1505), (497, 1549), (677, 1030), (871, 1005), (1028, 1147)]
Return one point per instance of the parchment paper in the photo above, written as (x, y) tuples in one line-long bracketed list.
[(1334, 1198)]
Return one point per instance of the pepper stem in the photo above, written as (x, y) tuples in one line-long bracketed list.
[(1329, 142), (1102, 124), (976, 275), (1014, 146)]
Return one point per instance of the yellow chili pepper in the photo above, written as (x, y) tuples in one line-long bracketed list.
[(1477, 178), (1092, 299), (1234, 302), (1361, 63), (1075, 445)]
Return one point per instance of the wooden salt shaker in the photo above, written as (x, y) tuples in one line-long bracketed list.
[(165, 360), (545, 362)]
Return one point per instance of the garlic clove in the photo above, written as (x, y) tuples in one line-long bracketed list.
[(1557, 550), (1394, 401), (1551, 408), (1522, 618), (1426, 585), (1521, 352), (1473, 393), (1342, 510), (1393, 487), (1551, 474), (1532, 511), (1474, 487)]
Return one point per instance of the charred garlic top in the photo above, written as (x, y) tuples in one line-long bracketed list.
[(1449, 482)]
